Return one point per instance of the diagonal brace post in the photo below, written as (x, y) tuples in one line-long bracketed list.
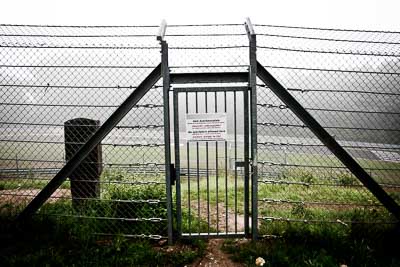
[(97, 137), (328, 141)]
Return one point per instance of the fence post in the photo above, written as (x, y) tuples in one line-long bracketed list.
[(253, 106), (167, 139), (85, 179)]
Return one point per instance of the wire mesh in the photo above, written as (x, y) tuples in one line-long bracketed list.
[(51, 75), (349, 82)]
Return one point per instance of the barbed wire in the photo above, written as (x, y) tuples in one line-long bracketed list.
[(327, 39), (274, 124), (78, 66), (78, 143), (86, 46), (337, 52), (342, 222), (91, 162), (339, 91), (332, 70), (318, 203), (150, 106), (274, 106), (74, 86), (342, 91), (78, 26), (324, 29), (271, 163), (118, 127), (322, 145)]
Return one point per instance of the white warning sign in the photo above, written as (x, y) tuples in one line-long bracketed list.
[(206, 127)]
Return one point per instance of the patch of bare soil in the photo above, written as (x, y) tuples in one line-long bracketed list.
[(225, 220), (20, 196), (214, 256), (219, 219)]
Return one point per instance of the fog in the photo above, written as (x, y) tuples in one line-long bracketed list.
[(352, 89)]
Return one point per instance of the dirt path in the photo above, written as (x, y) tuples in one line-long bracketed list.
[(214, 256), (221, 218)]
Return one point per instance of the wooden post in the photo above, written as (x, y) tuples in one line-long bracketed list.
[(85, 179)]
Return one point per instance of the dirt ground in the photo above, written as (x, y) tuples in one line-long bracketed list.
[(214, 256), (21, 196)]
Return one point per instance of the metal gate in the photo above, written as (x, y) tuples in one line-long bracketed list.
[(211, 141)]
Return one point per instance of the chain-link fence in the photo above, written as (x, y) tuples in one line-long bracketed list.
[(60, 83), (349, 82)]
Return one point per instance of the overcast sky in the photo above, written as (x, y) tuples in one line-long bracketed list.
[(354, 14)]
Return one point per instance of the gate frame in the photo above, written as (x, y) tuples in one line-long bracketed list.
[(246, 175), (253, 115), (250, 161)]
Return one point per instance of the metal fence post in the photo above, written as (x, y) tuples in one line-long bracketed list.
[(167, 138), (253, 106)]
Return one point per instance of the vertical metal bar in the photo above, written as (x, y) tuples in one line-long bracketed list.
[(253, 114), (235, 148), (167, 138), (188, 171), (216, 163), (177, 164), (208, 176), (246, 161), (226, 173), (198, 173)]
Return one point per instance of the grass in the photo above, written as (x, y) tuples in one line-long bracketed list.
[(211, 193), (28, 183), (323, 245), (63, 234), (130, 202), (68, 242), (308, 190), (387, 172)]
